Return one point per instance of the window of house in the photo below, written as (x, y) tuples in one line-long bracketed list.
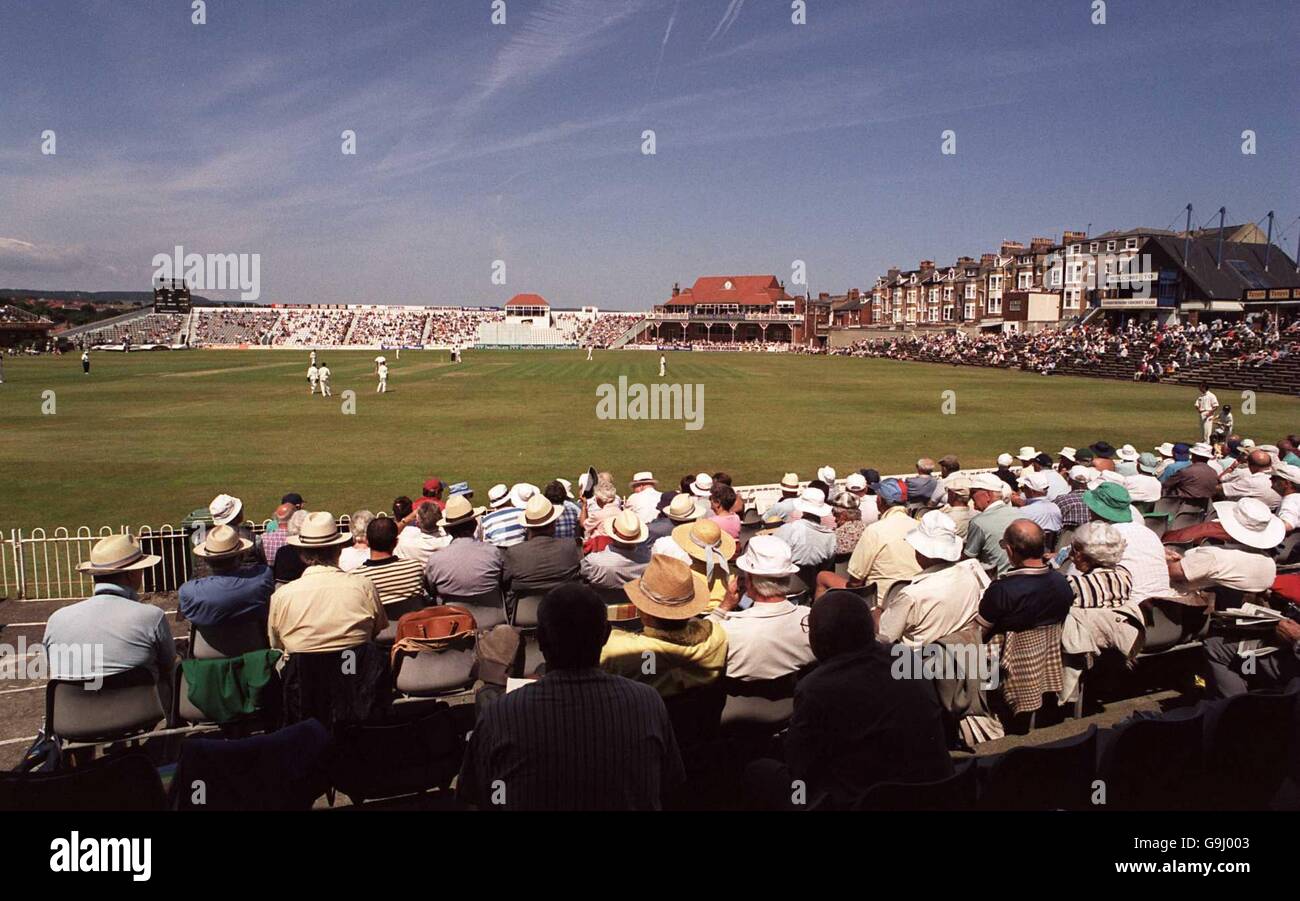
[(969, 312), (1130, 243), (1110, 245), (970, 290), (1025, 280)]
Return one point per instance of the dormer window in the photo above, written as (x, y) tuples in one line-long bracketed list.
[(727, 286)]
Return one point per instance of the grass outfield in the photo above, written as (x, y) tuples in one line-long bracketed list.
[(150, 436)]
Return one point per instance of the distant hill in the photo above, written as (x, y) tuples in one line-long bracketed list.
[(138, 298)]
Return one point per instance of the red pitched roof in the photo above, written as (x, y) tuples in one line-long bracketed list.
[(762, 290), (527, 300)]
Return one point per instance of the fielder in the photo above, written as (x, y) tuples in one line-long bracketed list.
[(663, 366), (85, 362), (324, 374), (383, 378), (313, 375), (313, 358), (1207, 405), (588, 353)]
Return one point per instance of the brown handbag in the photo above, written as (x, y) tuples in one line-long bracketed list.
[(444, 622)]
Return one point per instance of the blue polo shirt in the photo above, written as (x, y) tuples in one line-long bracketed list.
[(223, 597)]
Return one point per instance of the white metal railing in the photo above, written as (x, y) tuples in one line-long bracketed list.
[(41, 565)]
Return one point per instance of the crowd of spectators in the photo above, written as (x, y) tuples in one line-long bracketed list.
[(152, 328), (1050, 558), (391, 327), (233, 326)]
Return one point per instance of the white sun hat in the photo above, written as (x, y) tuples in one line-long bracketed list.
[(1005, 459), (856, 482), (986, 481), (1067, 452), (936, 537), (1165, 450), (1249, 522), (521, 492), (1128, 453), (813, 500), (827, 474), (1035, 481), (225, 509), (767, 555), (1027, 453), (498, 496), (702, 485), (1201, 449)]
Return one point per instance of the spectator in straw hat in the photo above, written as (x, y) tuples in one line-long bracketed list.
[(943, 597), (227, 510), (710, 550), (466, 567), (236, 589), (679, 510), (789, 494), (111, 631), (687, 651), (541, 561), (769, 638), (958, 506), (643, 496), (503, 526), (620, 562), (325, 609), (811, 542)]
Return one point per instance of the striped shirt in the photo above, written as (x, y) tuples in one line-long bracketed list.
[(504, 527), (576, 739), (1102, 587), (395, 579)]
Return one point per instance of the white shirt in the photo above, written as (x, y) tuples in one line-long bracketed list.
[(413, 544), (1144, 558), (313, 373), (352, 556), (324, 373), (1289, 512), (1244, 483), (1205, 403), (938, 602), (383, 370), (1207, 565), (766, 641), (1142, 487), (645, 502)]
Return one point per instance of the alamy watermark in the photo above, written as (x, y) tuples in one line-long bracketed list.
[(662, 401)]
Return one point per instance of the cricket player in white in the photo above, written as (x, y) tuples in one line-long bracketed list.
[(379, 361), (313, 358), (588, 353), (383, 379), (324, 373), (663, 366), (313, 374), (1206, 405)]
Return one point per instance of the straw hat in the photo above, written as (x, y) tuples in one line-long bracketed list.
[(539, 512), (117, 554), (498, 496), (320, 529), (222, 542), (936, 537), (459, 510), (790, 483), (668, 589), (644, 478), (767, 555), (521, 492), (225, 509), (705, 541), (1249, 522), (682, 508), (1067, 453), (627, 529)]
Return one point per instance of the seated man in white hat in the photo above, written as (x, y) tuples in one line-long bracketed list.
[(680, 509), (111, 631), (1004, 472), (944, 597), (1245, 565), (811, 542), (466, 567), (685, 651), (227, 510), (541, 561), (620, 562), (702, 489), (1033, 504), (986, 528), (503, 526), (325, 609), (769, 638), (643, 496), (958, 507), (1286, 482), (789, 494), (236, 589)]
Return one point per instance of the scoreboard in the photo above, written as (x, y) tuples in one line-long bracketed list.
[(171, 297)]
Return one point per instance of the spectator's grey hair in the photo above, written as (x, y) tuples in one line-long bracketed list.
[(294, 525), (769, 586), (1100, 542), (358, 523)]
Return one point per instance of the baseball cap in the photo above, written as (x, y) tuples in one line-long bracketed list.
[(986, 481), (433, 484), (892, 490)]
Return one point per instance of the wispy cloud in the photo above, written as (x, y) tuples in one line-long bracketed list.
[(728, 19)]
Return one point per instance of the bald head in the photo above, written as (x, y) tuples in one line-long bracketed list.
[(1024, 542), (1259, 461), (924, 466)]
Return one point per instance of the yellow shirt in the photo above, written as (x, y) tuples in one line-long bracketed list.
[(667, 667), (882, 557), (325, 610)]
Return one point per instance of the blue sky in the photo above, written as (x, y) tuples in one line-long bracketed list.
[(522, 142)]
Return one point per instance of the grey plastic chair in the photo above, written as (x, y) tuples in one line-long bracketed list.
[(124, 705), (489, 609), (433, 673)]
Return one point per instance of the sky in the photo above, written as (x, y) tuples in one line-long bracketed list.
[(522, 142)]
